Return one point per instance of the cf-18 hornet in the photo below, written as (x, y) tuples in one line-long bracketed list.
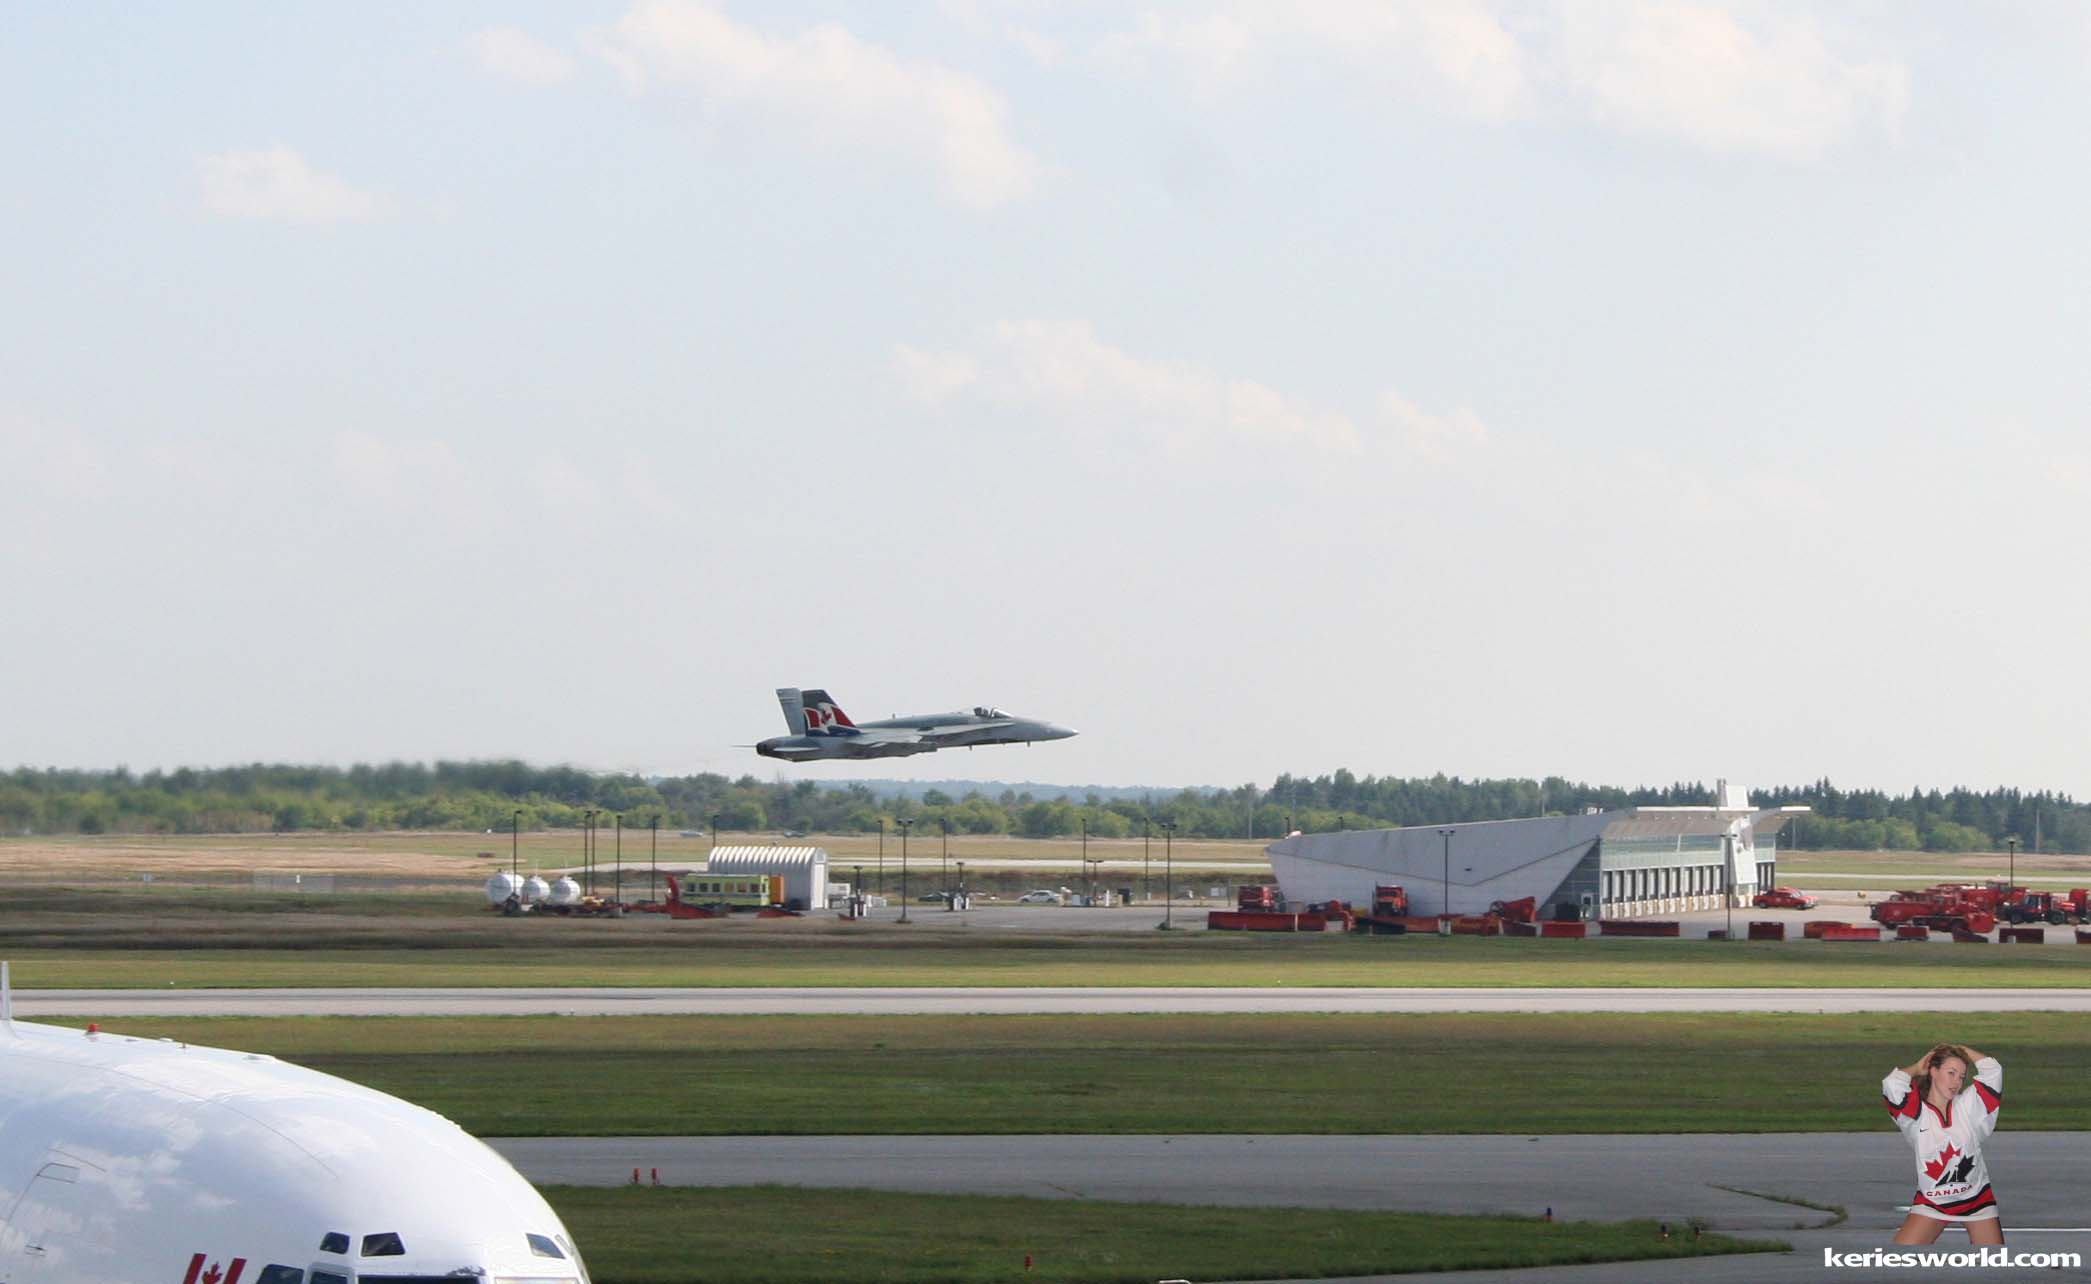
[(821, 730)]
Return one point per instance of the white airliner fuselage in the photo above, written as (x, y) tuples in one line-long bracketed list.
[(143, 1161)]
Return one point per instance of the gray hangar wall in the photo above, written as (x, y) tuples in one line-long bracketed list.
[(1489, 861)]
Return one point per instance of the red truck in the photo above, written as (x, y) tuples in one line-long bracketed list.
[(1944, 908), (2052, 907), (1389, 913)]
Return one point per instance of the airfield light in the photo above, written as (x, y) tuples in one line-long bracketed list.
[(1446, 908), (1169, 871), (905, 826)]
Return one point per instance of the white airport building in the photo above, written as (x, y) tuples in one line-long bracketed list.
[(1603, 864)]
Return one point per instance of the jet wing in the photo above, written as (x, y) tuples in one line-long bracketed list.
[(949, 730), (888, 738)]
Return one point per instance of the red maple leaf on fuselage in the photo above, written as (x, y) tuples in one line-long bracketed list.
[(1937, 1167)]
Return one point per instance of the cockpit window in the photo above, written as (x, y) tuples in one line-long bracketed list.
[(544, 1247), (985, 711), (333, 1242), (383, 1244), (281, 1275)]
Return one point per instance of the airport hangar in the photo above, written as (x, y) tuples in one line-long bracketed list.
[(1602, 864)]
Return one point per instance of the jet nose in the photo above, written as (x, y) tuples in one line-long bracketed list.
[(1057, 732)]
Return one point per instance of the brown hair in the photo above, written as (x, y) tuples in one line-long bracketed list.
[(1921, 1083)]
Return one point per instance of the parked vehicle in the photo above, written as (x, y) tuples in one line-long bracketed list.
[(1782, 898), (1040, 897)]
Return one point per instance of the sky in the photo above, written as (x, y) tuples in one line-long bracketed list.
[(1627, 392)]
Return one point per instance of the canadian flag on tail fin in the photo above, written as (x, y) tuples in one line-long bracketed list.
[(823, 713)]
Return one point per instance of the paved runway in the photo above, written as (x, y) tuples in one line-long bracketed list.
[(2043, 1180), (814, 1001)]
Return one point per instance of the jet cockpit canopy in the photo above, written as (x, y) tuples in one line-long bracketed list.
[(992, 714)]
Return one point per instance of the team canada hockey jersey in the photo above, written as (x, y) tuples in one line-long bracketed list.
[(1952, 1180)]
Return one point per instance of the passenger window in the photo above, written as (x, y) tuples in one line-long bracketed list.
[(544, 1247), (383, 1244), (280, 1275), (333, 1242), (328, 1277)]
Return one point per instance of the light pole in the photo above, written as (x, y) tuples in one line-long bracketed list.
[(715, 829), (1446, 908), (1169, 872), (905, 826), (618, 895), (515, 842), (961, 883), (653, 855), (2011, 877), (1728, 893), (882, 855), (944, 873), (1146, 892), (588, 853), (1085, 861)]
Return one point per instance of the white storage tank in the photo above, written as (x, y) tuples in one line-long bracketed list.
[(566, 892), (803, 869), (535, 889), (502, 886)]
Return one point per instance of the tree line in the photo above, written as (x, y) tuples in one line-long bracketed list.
[(493, 795)]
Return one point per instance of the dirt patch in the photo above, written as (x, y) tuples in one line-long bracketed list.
[(127, 857)]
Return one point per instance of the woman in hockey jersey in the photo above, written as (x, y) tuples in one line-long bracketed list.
[(1946, 1104)]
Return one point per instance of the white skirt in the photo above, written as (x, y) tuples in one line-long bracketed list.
[(1988, 1214)]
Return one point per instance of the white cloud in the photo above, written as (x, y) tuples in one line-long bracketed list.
[(932, 377), (1742, 78), (1440, 438), (830, 88), (1455, 53), (1064, 362), (276, 184), (514, 54), (1704, 75), (1064, 370)]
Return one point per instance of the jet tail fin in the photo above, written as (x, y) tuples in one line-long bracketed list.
[(794, 709), (822, 713)]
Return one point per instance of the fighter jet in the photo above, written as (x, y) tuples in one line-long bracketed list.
[(821, 730)]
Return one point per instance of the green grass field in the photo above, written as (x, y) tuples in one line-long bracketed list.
[(735, 1235), (507, 953), (1492, 1073)]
